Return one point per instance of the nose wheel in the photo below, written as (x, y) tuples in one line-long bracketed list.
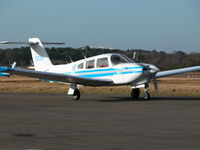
[(135, 93), (146, 96), (146, 93)]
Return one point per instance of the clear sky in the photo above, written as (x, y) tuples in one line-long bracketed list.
[(166, 25)]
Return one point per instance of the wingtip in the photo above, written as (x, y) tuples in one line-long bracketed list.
[(3, 42)]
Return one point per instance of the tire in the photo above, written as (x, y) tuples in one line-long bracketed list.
[(146, 96), (135, 93), (76, 96)]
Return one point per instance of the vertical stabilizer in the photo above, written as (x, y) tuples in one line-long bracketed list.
[(39, 55)]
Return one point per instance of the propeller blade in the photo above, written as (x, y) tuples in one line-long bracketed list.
[(155, 83)]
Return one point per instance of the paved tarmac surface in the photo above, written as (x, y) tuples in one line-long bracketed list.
[(47, 121)]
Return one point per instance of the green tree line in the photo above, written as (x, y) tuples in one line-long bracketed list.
[(164, 61)]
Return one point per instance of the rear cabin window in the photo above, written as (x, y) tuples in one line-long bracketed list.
[(117, 60), (80, 66), (102, 62), (90, 64)]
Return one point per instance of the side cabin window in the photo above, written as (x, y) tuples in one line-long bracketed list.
[(90, 64), (115, 59), (80, 66), (102, 62)]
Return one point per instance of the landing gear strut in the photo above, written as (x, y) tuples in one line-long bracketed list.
[(74, 92), (135, 93), (146, 92), (76, 96)]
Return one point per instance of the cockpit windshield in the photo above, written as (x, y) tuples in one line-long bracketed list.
[(117, 59), (128, 59)]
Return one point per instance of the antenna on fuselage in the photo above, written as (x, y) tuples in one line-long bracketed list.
[(86, 48), (84, 56), (136, 55), (139, 54), (70, 59)]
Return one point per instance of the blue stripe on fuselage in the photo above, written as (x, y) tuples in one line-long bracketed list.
[(131, 72), (108, 69), (108, 74), (102, 72)]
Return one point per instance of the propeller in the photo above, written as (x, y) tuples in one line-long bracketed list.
[(155, 84), (149, 68), (152, 71)]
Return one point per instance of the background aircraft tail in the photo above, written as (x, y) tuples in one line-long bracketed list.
[(39, 55)]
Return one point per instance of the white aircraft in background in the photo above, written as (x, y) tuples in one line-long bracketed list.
[(102, 70)]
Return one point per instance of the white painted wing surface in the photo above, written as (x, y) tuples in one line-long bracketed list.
[(60, 77), (31, 43), (176, 71)]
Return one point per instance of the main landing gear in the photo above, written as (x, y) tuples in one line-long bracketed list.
[(74, 92), (76, 96), (135, 93)]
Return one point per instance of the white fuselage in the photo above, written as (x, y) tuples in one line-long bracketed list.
[(125, 71)]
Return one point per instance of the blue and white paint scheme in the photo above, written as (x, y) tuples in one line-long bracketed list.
[(5, 74), (3, 70), (102, 70)]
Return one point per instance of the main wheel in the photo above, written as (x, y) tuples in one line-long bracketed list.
[(135, 93), (76, 96), (146, 96)]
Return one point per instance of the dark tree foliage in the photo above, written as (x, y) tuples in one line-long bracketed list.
[(61, 55)]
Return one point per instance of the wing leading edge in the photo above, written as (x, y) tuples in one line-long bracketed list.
[(59, 77), (176, 71)]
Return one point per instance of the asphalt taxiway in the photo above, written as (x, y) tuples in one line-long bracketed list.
[(53, 121)]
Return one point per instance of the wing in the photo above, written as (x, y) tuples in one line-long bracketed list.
[(57, 77), (176, 71)]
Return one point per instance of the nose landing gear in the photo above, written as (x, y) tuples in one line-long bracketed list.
[(146, 92), (146, 96), (135, 93)]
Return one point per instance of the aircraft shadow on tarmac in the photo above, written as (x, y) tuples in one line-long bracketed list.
[(156, 98)]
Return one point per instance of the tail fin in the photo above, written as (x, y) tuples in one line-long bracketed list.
[(39, 55)]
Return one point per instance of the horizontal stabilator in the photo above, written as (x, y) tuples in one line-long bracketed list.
[(5, 74), (4, 69)]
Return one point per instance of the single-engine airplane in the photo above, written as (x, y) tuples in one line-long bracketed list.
[(103, 70)]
